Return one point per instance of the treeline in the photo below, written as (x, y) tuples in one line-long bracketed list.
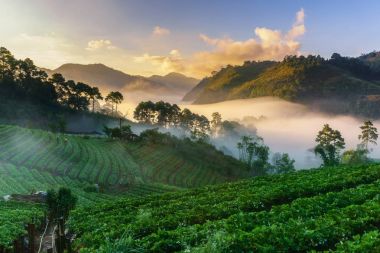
[(22, 80), (166, 115), (330, 146)]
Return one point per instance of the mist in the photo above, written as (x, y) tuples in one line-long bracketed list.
[(286, 127)]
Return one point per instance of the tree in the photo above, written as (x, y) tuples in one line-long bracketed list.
[(60, 203), (114, 97), (167, 114), (329, 144), (145, 112), (61, 87), (216, 122), (368, 135), (94, 94), (254, 153), (282, 163), (355, 157)]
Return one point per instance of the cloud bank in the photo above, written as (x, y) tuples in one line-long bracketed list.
[(267, 44)]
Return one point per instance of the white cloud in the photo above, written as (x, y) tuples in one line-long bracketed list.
[(94, 45), (298, 28), (173, 61), (160, 31), (268, 44)]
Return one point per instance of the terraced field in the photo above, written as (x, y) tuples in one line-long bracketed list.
[(92, 159), (102, 161), (324, 210), (161, 164), (22, 180)]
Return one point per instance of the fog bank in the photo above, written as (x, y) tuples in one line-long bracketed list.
[(285, 126), (288, 127)]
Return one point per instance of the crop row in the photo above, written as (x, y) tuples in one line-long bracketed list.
[(147, 217), (21, 180), (90, 159)]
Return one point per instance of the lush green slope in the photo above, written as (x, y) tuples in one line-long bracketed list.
[(301, 79), (321, 209), (114, 164), (218, 87)]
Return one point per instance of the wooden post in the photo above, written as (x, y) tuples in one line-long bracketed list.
[(61, 229), (17, 246), (68, 245), (31, 235), (58, 245)]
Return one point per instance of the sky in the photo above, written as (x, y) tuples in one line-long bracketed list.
[(191, 37)]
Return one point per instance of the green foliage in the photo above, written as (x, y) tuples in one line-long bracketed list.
[(368, 242), (22, 80), (310, 80), (168, 115), (216, 123), (355, 157), (115, 98), (124, 133), (129, 166), (315, 210), (329, 144), (14, 216), (368, 135), (201, 154), (254, 154), (282, 163), (60, 203)]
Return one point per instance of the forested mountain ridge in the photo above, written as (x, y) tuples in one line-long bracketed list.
[(107, 78), (351, 82)]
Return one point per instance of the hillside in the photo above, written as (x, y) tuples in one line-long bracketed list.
[(328, 209), (311, 80), (107, 79), (97, 169), (112, 163)]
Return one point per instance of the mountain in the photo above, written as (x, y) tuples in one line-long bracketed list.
[(340, 84), (176, 81), (107, 79)]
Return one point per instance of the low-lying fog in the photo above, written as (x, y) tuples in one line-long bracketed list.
[(286, 127)]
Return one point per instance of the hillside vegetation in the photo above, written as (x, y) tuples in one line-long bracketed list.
[(341, 84), (114, 163), (332, 209)]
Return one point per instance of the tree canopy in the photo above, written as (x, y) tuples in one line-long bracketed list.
[(329, 145)]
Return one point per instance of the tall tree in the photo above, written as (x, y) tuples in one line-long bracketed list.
[(216, 123), (94, 94), (254, 153), (368, 135), (282, 163), (329, 145), (114, 97)]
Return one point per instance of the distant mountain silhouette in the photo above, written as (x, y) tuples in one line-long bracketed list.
[(107, 79)]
